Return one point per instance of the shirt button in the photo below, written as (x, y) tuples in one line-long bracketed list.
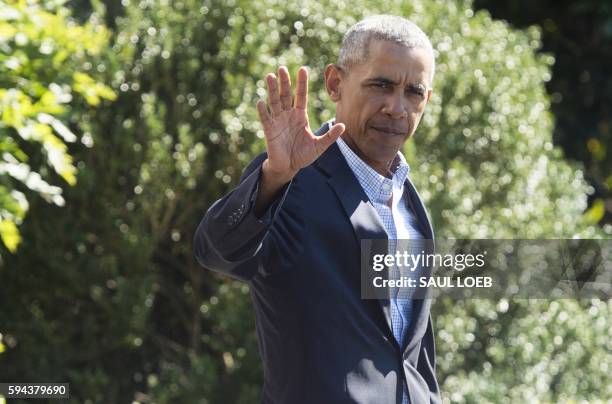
[(386, 187)]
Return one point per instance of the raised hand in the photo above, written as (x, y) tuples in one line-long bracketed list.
[(290, 143)]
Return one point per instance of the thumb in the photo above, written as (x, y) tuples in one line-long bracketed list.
[(326, 140)]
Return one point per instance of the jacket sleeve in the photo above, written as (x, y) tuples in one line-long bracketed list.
[(230, 237)]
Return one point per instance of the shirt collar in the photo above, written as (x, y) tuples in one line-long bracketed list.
[(377, 187)]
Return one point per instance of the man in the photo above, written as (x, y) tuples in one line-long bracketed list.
[(292, 227)]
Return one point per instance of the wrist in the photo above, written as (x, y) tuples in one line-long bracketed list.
[(276, 177)]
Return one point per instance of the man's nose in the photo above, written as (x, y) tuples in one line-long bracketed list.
[(396, 106)]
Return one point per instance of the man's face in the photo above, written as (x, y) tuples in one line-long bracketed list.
[(382, 100)]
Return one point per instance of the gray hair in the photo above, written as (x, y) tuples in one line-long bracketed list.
[(355, 45)]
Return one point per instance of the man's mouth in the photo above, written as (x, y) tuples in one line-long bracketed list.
[(389, 131)]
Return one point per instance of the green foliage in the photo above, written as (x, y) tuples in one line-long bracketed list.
[(524, 351), (42, 65), (491, 169), (145, 323), (580, 36)]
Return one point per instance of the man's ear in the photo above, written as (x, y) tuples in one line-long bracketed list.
[(333, 79), (429, 93)]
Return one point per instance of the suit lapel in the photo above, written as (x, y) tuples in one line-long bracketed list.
[(419, 210), (421, 307)]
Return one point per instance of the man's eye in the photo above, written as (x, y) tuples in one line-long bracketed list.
[(382, 85), (418, 93)]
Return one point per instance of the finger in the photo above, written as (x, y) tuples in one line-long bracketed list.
[(326, 140), (285, 88), (264, 115), (273, 97), (301, 90)]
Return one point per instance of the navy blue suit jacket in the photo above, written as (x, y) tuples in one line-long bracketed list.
[(319, 340)]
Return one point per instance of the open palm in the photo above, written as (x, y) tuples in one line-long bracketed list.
[(290, 143)]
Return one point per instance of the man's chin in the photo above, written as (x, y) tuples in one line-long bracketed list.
[(382, 154)]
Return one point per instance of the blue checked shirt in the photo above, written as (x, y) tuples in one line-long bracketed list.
[(398, 220)]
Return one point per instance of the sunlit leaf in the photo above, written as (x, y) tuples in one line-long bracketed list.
[(9, 234), (596, 212)]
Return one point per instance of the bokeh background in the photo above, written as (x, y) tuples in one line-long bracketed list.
[(121, 122)]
